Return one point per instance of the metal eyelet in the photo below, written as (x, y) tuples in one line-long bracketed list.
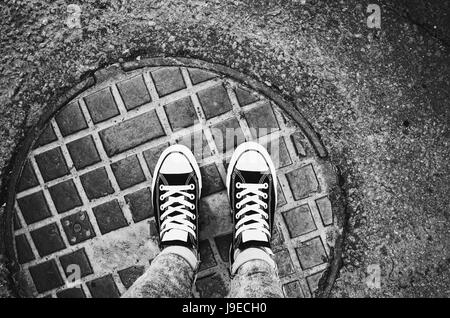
[(238, 196), (264, 195), (191, 186), (192, 196), (161, 197), (265, 206), (192, 207), (266, 185), (238, 185), (238, 206), (161, 187)]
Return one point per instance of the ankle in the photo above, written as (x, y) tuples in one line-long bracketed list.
[(190, 255), (252, 253)]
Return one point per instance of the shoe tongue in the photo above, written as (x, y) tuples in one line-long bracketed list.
[(252, 176), (175, 235), (176, 179), (253, 235)]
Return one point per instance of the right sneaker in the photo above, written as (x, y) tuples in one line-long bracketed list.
[(252, 191)]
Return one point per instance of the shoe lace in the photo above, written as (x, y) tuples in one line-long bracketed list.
[(177, 213), (251, 197)]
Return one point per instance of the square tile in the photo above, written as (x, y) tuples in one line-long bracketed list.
[(299, 141), (293, 290), (70, 119), (101, 105), (134, 92), (181, 113), (27, 178), (131, 133), (129, 275), (199, 76), (299, 221), (215, 217), (262, 120), (223, 243), (34, 207), (206, 255), (313, 281), (75, 292), (284, 263), (77, 227), (47, 239), (128, 172), (227, 135), (47, 136), (214, 101), (96, 184), (103, 287), (168, 80), (77, 258), (197, 143), (303, 182), (24, 252), (46, 276), (152, 155), (245, 96), (325, 210), (52, 164), (279, 153), (109, 216), (311, 253), (65, 196), (212, 182), (83, 152), (140, 203), (211, 287)]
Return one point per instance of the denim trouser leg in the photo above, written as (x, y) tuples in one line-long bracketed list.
[(169, 275)]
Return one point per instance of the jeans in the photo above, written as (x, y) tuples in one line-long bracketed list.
[(171, 275)]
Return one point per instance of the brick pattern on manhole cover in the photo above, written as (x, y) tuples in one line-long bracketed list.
[(84, 194)]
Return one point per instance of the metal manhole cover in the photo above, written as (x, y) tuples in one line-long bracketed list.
[(83, 197)]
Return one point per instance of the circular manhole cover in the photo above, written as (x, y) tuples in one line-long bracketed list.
[(83, 223)]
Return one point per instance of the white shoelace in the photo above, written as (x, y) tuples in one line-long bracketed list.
[(177, 203), (251, 195)]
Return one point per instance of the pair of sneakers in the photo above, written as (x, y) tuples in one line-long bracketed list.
[(251, 183)]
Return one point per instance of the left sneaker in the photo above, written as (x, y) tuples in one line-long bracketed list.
[(176, 189)]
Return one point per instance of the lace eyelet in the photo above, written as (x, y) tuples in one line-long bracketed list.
[(265, 206), (193, 217), (161, 208), (192, 197), (238, 185), (238, 196), (191, 186), (238, 206), (264, 195), (161, 197), (192, 207), (161, 187)]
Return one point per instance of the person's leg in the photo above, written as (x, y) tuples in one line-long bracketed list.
[(252, 190), (176, 189), (170, 275)]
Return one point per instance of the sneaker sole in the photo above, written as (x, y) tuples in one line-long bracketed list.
[(189, 155)]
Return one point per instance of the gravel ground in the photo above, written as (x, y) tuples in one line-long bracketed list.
[(378, 97)]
